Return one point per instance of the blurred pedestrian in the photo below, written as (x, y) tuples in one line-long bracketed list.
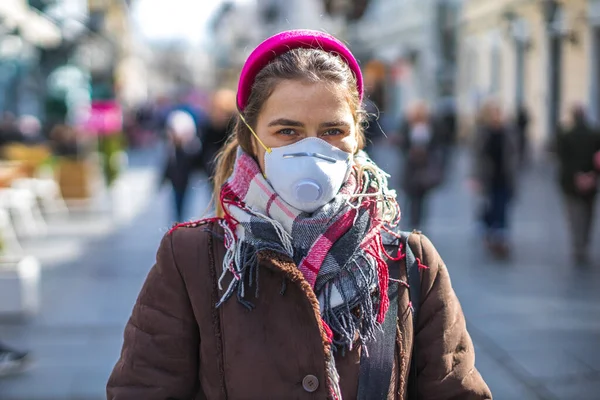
[(30, 130), (182, 149), (420, 140), (279, 296), (64, 141), (448, 130), (215, 130), (496, 165), (577, 145), (522, 131), (12, 361), (9, 130)]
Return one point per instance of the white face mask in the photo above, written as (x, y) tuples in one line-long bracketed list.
[(307, 174)]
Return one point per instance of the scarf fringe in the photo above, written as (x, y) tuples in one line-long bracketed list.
[(333, 378), (241, 261)]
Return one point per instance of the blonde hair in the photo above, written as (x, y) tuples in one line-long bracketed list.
[(311, 65)]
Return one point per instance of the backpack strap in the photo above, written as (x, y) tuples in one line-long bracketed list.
[(414, 292), (376, 369)]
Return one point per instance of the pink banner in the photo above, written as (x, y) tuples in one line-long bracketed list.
[(105, 118)]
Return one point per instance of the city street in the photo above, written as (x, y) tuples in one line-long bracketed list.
[(535, 319)]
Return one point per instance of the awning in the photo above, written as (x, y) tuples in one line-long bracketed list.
[(33, 26)]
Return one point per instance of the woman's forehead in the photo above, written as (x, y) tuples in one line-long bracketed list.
[(307, 100)]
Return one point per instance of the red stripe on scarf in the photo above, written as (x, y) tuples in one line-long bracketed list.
[(277, 200), (373, 245), (228, 196), (311, 264), (327, 330), (349, 187), (374, 249), (270, 203), (245, 171)]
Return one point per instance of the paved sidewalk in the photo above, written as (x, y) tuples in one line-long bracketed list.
[(89, 284)]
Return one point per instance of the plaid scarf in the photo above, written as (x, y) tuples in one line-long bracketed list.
[(338, 248)]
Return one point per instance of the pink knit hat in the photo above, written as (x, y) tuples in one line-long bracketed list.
[(283, 42)]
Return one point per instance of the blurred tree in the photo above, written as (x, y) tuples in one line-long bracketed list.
[(41, 4)]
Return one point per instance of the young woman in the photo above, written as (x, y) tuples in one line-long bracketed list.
[(284, 295)]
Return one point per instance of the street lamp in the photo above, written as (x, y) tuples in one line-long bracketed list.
[(549, 8), (556, 23), (517, 29)]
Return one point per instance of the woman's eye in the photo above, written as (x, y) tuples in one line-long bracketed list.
[(286, 132), (333, 132)]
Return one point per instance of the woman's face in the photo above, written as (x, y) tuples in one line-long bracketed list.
[(297, 110)]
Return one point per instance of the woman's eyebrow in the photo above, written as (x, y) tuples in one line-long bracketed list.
[(333, 124), (285, 122), (290, 122)]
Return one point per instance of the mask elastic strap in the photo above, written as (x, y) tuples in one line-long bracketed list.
[(267, 149)]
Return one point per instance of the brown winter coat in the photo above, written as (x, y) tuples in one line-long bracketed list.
[(179, 346)]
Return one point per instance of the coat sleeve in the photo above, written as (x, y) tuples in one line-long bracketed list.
[(159, 358), (445, 353)]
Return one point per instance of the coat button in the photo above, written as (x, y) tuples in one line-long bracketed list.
[(310, 383)]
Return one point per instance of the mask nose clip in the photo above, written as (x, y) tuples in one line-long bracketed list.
[(307, 154)]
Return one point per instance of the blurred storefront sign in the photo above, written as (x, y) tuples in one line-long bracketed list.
[(105, 118)]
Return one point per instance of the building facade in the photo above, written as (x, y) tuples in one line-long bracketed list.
[(280, 15), (25, 34), (240, 27), (55, 55), (236, 30), (113, 53), (415, 40), (538, 54)]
